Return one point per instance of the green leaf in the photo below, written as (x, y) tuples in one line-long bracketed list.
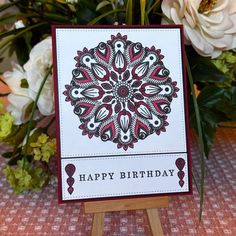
[(203, 70), (21, 50), (7, 155), (129, 12), (220, 101), (210, 95), (9, 33), (12, 154), (17, 135), (31, 120), (19, 34), (209, 124), (199, 129), (233, 97), (227, 104), (8, 19), (56, 17), (228, 109), (102, 4), (13, 161), (208, 101), (142, 8), (8, 5), (5, 43), (85, 13), (97, 19), (57, 7), (88, 4), (28, 37), (216, 105), (146, 20), (154, 6), (84, 16)]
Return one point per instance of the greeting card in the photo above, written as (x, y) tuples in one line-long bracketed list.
[(121, 112)]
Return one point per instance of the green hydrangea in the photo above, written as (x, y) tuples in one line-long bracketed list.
[(226, 62), (44, 148), (1, 106), (221, 65), (6, 124), (229, 57), (25, 177)]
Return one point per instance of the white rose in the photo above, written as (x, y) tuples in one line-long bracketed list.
[(19, 99), (15, 78), (18, 107), (40, 60), (210, 31)]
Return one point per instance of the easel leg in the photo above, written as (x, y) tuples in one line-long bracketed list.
[(98, 208), (98, 223), (154, 221)]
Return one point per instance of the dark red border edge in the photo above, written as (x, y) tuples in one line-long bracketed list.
[(186, 104), (56, 100)]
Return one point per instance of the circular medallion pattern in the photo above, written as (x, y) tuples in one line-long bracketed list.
[(121, 91)]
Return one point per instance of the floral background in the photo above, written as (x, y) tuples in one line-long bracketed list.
[(27, 119)]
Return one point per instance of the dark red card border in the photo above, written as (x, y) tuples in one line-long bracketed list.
[(53, 30)]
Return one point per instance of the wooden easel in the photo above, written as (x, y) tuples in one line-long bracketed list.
[(151, 204)]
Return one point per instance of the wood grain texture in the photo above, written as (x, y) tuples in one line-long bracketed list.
[(154, 222), (126, 204), (98, 223)]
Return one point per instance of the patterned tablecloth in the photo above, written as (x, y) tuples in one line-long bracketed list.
[(39, 213)]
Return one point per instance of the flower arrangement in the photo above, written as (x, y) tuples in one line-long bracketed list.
[(27, 123)]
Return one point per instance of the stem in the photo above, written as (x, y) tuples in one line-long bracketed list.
[(195, 180), (114, 7), (142, 7), (94, 21), (17, 16), (147, 22), (200, 137), (32, 114), (153, 6), (24, 30), (129, 12)]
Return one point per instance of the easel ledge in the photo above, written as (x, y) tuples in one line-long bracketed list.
[(150, 204)]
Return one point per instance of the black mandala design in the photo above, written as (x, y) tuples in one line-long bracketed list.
[(121, 91)]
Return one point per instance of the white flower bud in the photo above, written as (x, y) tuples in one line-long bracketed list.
[(19, 24)]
